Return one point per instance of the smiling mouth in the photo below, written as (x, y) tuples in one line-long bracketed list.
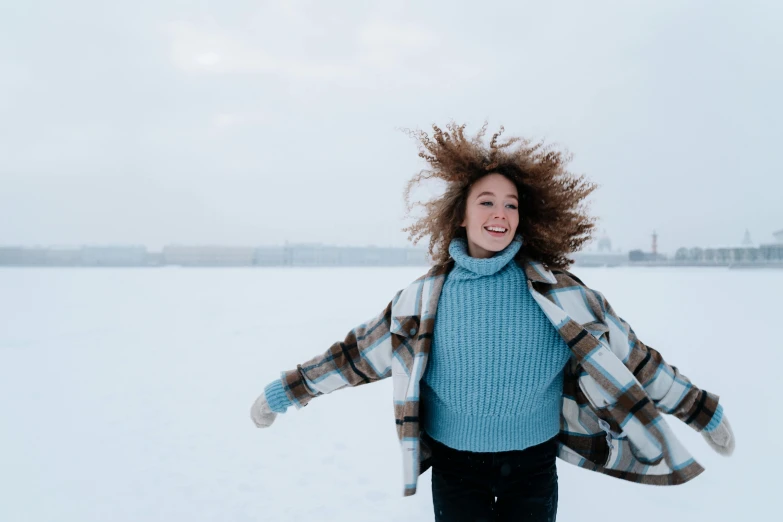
[(496, 231)]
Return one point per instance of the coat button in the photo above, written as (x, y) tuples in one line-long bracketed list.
[(412, 331)]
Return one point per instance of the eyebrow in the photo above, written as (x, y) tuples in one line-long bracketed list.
[(487, 193)]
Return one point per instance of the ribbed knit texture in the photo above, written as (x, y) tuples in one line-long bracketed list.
[(494, 380), (276, 397), (715, 420)]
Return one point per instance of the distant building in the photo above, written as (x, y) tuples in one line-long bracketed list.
[(208, 255), (64, 256), (319, 255), (178, 255), (271, 256), (74, 256), (745, 255), (154, 259), (720, 255), (417, 257), (773, 251), (325, 255), (603, 257), (637, 256), (19, 256), (590, 259), (604, 244), (114, 255), (695, 254)]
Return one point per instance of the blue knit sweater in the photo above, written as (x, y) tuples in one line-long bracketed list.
[(495, 375), (494, 380)]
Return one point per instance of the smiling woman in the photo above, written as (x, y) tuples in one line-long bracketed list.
[(547, 200), (501, 360)]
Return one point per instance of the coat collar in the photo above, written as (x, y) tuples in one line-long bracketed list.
[(538, 272)]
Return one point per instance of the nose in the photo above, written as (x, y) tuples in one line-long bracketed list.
[(500, 213)]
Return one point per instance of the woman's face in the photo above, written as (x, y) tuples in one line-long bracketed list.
[(491, 215)]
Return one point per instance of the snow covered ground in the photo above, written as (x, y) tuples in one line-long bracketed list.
[(125, 396)]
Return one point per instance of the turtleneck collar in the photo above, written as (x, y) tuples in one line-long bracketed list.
[(458, 249)]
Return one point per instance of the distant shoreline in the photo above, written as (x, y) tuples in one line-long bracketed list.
[(628, 264), (324, 256)]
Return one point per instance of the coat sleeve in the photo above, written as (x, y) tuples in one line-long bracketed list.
[(671, 391), (364, 356)]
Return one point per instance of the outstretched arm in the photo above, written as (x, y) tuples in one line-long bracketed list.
[(364, 356), (671, 391)]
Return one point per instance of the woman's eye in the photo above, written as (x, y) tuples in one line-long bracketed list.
[(485, 203), (513, 207)]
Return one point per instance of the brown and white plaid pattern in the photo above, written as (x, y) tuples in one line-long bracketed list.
[(614, 392)]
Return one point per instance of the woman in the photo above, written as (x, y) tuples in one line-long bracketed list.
[(524, 362)]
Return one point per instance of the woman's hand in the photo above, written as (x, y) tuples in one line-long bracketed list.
[(262, 415), (721, 439)]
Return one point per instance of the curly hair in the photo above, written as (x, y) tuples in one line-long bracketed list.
[(553, 221)]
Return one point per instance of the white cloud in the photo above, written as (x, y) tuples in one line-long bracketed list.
[(225, 121), (384, 44), (379, 54), (195, 48), (399, 35)]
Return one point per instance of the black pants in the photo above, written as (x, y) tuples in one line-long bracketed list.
[(499, 487)]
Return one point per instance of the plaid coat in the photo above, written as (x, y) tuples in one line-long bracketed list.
[(614, 391)]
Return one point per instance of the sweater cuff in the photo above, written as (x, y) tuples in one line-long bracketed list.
[(276, 396), (717, 417)]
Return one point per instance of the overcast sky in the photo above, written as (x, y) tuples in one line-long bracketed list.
[(250, 122)]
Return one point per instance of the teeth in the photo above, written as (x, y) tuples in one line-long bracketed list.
[(496, 229)]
